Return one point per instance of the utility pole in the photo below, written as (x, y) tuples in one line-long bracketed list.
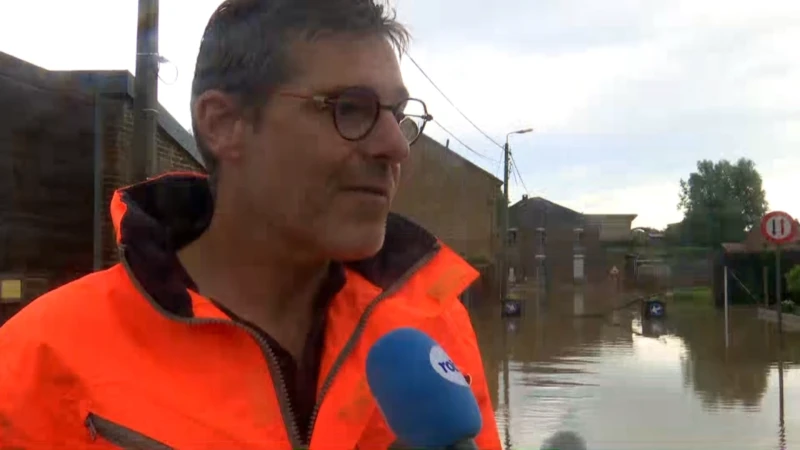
[(504, 225), (144, 158)]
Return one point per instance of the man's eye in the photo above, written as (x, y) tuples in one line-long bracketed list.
[(348, 108)]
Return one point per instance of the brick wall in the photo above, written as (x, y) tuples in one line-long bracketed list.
[(47, 136), (451, 197), (45, 176)]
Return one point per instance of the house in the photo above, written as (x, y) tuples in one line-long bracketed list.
[(551, 242), (454, 199), (64, 148)]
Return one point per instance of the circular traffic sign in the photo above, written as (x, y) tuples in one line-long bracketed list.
[(656, 310), (778, 227)]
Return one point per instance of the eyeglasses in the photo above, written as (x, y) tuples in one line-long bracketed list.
[(356, 111)]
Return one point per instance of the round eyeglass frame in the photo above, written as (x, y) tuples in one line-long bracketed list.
[(331, 102)]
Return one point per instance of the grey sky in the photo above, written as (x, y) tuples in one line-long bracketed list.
[(624, 95)]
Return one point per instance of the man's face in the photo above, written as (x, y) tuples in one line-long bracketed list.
[(300, 177)]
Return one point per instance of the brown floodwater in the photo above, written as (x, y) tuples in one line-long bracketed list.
[(621, 383)]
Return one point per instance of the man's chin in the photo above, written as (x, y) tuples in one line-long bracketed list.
[(357, 245)]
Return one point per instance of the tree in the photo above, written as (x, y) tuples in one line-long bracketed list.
[(721, 202), (674, 234), (793, 283)]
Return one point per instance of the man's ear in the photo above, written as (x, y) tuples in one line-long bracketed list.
[(219, 124)]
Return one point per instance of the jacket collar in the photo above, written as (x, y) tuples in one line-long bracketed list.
[(155, 218)]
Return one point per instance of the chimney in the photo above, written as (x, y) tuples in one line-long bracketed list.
[(524, 197)]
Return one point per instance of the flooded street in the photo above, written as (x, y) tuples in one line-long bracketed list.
[(622, 384)]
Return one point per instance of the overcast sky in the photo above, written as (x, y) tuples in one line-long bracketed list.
[(625, 95)]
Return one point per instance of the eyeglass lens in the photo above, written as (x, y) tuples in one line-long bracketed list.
[(411, 124), (357, 110)]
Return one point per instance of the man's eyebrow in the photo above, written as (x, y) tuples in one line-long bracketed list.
[(400, 92)]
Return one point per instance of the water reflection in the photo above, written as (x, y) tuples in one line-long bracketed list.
[(624, 383), (781, 408)]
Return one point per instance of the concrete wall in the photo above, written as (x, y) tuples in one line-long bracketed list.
[(451, 197)]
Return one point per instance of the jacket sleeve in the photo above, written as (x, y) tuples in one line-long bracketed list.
[(39, 406), (465, 351)]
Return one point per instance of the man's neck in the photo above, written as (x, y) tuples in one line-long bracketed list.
[(259, 280)]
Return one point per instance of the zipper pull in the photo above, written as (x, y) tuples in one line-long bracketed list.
[(92, 430)]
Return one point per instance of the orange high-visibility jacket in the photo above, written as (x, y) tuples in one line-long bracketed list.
[(121, 358)]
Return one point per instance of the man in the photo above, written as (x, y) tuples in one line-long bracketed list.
[(245, 303)]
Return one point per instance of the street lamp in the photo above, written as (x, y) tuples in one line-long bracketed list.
[(504, 226), (522, 131)]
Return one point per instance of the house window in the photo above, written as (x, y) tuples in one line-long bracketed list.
[(578, 235), (512, 237), (541, 237)]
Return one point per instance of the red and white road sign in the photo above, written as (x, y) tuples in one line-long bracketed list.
[(778, 227)]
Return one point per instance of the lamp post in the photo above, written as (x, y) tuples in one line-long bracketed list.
[(504, 225), (144, 157)]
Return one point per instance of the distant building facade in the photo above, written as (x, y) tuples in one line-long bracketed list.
[(551, 242)]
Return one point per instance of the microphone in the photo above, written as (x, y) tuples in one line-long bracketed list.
[(425, 399)]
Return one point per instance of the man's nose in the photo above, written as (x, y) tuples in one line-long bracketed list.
[(387, 141)]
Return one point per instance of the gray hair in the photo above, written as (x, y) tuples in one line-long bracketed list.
[(244, 49)]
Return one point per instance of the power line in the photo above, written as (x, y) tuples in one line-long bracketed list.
[(465, 145), (519, 175), (453, 104), (516, 172)]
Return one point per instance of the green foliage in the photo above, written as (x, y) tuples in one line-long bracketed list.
[(793, 282), (673, 234), (701, 294), (639, 238), (721, 201)]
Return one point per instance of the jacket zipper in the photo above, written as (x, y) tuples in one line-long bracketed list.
[(360, 326), (279, 382), (120, 436)]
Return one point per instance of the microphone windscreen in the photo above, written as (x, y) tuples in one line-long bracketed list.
[(425, 399)]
